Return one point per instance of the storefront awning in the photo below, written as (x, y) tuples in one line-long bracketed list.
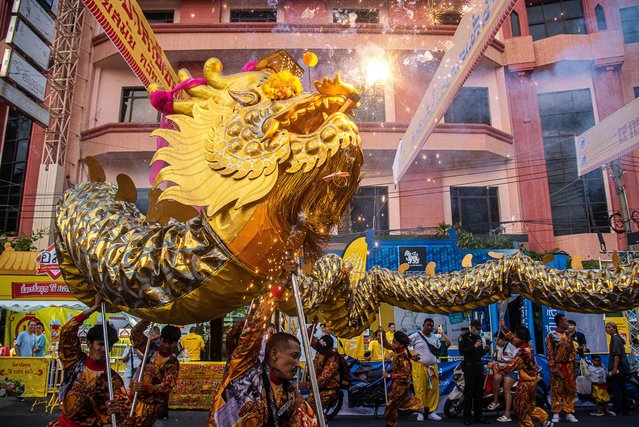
[(25, 305)]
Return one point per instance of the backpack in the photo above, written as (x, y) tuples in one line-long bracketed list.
[(344, 372)]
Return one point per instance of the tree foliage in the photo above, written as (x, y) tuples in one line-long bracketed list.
[(22, 242)]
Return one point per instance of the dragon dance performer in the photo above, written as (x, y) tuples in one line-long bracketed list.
[(562, 358), (160, 373), (258, 392), (526, 391), (84, 394), (399, 397), (327, 367)]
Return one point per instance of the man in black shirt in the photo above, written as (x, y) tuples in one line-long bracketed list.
[(577, 337), (619, 369), (472, 350)]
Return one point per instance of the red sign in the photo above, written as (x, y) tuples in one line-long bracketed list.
[(48, 263), (39, 289)]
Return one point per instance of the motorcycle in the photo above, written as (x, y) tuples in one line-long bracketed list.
[(454, 404)]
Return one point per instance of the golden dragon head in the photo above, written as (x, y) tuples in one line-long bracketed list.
[(255, 137)]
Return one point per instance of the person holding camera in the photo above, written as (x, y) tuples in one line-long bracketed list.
[(427, 348)]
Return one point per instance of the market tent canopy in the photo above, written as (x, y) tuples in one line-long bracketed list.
[(26, 306)]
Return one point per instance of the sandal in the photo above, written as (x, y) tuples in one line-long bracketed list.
[(493, 406), (504, 419)]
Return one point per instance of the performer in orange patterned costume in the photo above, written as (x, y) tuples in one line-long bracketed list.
[(327, 368), (258, 392), (159, 376), (84, 394), (526, 391), (562, 358), (399, 397)]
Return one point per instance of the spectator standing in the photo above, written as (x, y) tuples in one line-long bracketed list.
[(193, 344), (443, 349), (619, 369), (472, 350), (26, 341), (4, 350), (578, 337), (41, 341), (377, 352), (132, 358), (562, 358), (391, 332), (427, 348)]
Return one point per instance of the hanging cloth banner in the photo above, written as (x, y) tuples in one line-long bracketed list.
[(474, 33), (125, 24)]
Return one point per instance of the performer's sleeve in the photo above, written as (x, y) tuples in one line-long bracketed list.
[(330, 371), (516, 364), (69, 347), (137, 335), (248, 346), (169, 379), (121, 395), (550, 350), (401, 369)]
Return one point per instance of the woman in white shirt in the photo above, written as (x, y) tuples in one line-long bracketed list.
[(504, 353)]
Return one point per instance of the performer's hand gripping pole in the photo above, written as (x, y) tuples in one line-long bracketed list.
[(105, 333), (307, 351), (381, 343), (142, 365)]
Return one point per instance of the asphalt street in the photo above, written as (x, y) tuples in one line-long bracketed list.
[(14, 413)]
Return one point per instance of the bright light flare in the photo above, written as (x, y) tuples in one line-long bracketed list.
[(377, 70)]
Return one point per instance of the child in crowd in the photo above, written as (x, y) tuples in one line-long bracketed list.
[(599, 390)]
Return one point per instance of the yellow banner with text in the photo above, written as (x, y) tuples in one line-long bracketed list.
[(33, 372)]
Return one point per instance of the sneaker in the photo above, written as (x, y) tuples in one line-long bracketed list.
[(433, 416), (597, 414), (571, 418), (420, 417), (612, 413), (548, 424), (504, 419), (555, 418), (493, 406)]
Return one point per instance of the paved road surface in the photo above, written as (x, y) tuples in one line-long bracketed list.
[(14, 413)]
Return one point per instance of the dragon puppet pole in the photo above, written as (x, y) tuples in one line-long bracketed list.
[(307, 351), (105, 334), (381, 343), (142, 365)]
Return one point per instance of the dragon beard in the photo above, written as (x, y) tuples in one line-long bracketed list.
[(304, 202)]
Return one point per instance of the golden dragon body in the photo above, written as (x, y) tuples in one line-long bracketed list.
[(272, 169)]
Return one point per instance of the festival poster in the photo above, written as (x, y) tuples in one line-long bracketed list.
[(196, 385), (33, 372), (622, 327)]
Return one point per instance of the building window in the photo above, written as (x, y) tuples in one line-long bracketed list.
[(475, 208), (600, 13), (630, 24), (547, 18), (13, 167), (449, 18), (470, 106), (372, 108), (636, 91), (578, 204), (253, 15), (514, 24), (367, 210), (159, 17), (353, 16), (135, 106)]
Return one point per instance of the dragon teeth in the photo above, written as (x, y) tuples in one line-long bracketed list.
[(324, 116)]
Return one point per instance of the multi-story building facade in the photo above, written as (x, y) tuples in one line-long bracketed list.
[(502, 158)]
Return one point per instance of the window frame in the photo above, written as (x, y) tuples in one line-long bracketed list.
[(379, 219), (461, 109), (627, 25), (491, 197), (157, 20), (123, 104), (252, 9), (349, 10), (551, 21)]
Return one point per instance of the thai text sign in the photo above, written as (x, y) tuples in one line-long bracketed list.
[(611, 138), (31, 371), (475, 31), (47, 262), (22, 37), (125, 24), (414, 256), (39, 289), (23, 103), (36, 16)]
